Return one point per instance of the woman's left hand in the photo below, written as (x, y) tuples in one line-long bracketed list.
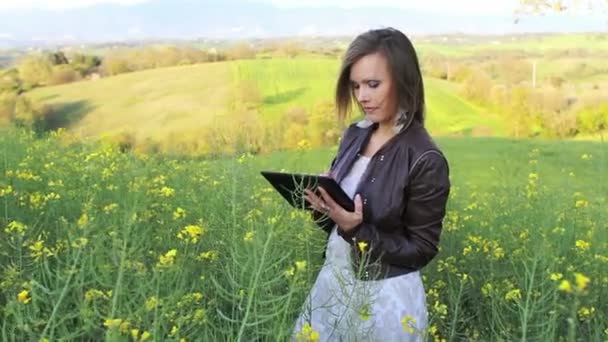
[(346, 220)]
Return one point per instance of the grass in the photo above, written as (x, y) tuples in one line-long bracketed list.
[(148, 103), (101, 245)]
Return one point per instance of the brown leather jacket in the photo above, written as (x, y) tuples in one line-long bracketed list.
[(404, 189)]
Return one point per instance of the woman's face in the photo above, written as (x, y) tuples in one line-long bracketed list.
[(374, 88)]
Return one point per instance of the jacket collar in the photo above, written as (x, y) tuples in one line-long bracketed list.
[(366, 123)]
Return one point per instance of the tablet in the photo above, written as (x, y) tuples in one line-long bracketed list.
[(291, 186)]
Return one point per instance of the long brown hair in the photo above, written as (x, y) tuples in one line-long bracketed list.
[(403, 65)]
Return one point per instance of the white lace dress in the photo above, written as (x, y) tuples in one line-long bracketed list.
[(342, 308)]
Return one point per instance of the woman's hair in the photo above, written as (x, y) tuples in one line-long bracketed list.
[(403, 65)]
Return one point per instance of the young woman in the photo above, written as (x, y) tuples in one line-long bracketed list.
[(370, 288)]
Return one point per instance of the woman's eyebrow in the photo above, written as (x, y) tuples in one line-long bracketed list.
[(366, 80)]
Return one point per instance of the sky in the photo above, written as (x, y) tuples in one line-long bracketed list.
[(461, 6), (112, 20)]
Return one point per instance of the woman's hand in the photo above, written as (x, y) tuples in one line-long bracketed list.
[(346, 220)]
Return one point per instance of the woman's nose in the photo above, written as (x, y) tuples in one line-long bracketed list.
[(362, 95)]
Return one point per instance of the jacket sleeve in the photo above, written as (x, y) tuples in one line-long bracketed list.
[(417, 243), (319, 218)]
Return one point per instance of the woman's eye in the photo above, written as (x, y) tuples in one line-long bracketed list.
[(373, 84), (355, 86)]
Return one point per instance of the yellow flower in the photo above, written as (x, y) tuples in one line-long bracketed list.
[(168, 258), (408, 322), (200, 315), (581, 281), (584, 313), (524, 235), (93, 294), (23, 297), (124, 327), (486, 289), (565, 286), (208, 255), (556, 276), (16, 227), (307, 334), (83, 220), (441, 309), (466, 250), (110, 208), (179, 213), (112, 323), (135, 334), (364, 312), (300, 265), (145, 336), (37, 250), (499, 253), (80, 242), (166, 191), (191, 233), (304, 144), (582, 245), (581, 204), (248, 236), (362, 246), (290, 272), (6, 191), (151, 303), (586, 156), (514, 294)]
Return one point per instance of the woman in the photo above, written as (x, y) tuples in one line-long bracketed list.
[(370, 286)]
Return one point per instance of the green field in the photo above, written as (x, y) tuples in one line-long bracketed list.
[(156, 103), (101, 245)]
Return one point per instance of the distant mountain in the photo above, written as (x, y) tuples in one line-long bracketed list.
[(232, 19)]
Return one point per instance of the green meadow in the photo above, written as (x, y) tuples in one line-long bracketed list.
[(156, 103), (102, 245)]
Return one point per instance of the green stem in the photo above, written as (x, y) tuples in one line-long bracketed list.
[(253, 287)]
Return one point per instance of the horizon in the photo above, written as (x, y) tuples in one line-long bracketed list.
[(106, 21)]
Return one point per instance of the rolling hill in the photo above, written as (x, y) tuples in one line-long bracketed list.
[(155, 103)]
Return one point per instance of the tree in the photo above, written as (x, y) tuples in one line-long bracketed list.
[(85, 64), (35, 70), (10, 81), (115, 64), (478, 86), (63, 73), (57, 58), (593, 119), (7, 107), (241, 50), (323, 129)]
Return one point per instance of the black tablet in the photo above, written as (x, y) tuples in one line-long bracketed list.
[(291, 186)]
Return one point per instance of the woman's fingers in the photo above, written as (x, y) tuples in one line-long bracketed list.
[(315, 201), (331, 204)]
